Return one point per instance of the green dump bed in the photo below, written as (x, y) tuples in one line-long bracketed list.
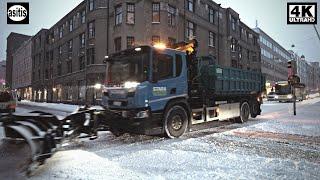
[(229, 81)]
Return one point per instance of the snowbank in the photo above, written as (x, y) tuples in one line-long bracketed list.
[(54, 106)]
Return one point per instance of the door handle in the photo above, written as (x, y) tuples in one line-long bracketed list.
[(173, 91)]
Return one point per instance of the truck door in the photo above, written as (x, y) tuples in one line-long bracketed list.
[(168, 78)]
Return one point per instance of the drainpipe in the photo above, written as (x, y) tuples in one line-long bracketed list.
[(108, 24), (219, 33)]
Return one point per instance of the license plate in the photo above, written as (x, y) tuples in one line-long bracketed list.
[(118, 92), (117, 103)]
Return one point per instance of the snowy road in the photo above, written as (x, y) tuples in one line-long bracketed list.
[(274, 145)]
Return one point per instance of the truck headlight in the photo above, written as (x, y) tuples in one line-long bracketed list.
[(130, 84), (142, 114), (289, 96), (276, 97)]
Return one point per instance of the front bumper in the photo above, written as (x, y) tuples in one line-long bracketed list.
[(127, 122)]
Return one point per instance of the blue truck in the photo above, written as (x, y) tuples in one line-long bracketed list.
[(155, 90)]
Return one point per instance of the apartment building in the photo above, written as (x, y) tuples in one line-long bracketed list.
[(22, 70), (14, 40), (68, 57), (274, 59)]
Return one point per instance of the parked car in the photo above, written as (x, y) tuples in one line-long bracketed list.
[(272, 96), (8, 101)]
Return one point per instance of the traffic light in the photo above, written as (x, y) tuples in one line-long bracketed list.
[(289, 64)]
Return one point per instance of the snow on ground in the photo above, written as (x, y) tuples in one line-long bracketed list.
[(306, 122), (277, 145)]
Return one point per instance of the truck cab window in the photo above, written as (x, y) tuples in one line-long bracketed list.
[(163, 66)]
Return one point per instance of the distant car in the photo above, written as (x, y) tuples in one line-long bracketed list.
[(8, 101), (272, 96)]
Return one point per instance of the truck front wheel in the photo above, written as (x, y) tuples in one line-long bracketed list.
[(176, 122)]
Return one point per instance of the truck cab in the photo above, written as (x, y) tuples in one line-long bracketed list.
[(156, 90)]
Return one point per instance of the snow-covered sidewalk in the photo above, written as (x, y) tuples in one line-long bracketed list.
[(53, 106)]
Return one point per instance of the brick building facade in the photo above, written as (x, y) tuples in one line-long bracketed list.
[(68, 57), (22, 69), (14, 41)]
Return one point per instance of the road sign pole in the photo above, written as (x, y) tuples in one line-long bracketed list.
[(294, 101)]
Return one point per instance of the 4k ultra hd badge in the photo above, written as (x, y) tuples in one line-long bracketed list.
[(302, 13), (17, 13)]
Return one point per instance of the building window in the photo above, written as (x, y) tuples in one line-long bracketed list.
[(190, 5), (69, 66), (82, 40), (254, 56), (83, 16), (60, 32), (70, 46), (155, 39), (90, 56), (233, 23), (240, 52), (59, 69), (171, 42), (81, 63), (190, 33), (118, 10), (60, 50), (171, 15), (212, 39), (255, 40), (46, 74), (155, 12), (70, 25), (51, 55), (233, 45), (130, 13), (91, 5), (234, 63), (248, 54), (91, 27), (211, 15), (117, 44), (130, 42)]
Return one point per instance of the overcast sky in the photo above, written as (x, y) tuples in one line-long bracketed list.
[(271, 16)]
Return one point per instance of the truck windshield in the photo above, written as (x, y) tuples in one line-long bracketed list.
[(282, 89), (128, 66)]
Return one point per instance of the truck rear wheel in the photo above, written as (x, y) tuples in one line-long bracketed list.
[(254, 109), (244, 113), (176, 122)]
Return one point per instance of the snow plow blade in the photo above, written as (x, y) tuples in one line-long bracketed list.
[(44, 133)]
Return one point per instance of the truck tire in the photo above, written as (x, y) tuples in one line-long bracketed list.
[(176, 121), (116, 132), (244, 112), (254, 109)]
